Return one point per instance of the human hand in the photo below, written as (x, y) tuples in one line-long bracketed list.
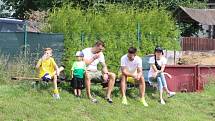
[(57, 72), (44, 57), (155, 74), (135, 76), (105, 76), (138, 76), (96, 56), (168, 75)]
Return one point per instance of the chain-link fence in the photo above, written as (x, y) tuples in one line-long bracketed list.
[(30, 43)]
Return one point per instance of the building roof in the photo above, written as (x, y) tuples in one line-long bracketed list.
[(17, 25), (202, 16)]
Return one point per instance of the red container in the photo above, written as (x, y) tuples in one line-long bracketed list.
[(183, 78), (204, 73)]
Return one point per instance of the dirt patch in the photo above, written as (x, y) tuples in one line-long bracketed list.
[(200, 58)]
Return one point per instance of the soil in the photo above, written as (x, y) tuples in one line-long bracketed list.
[(200, 58)]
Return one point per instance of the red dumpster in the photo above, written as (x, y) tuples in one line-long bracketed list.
[(183, 78), (204, 73)]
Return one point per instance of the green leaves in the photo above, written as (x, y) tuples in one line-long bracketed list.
[(117, 26)]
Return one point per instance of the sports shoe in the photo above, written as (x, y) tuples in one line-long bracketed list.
[(94, 100), (56, 96), (171, 94), (124, 101), (109, 100), (162, 102), (143, 101)]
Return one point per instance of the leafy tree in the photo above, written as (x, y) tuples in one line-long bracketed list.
[(22, 6)]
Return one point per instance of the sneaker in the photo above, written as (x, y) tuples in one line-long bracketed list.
[(171, 94), (163, 102), (56, 96), (124, 101), (94, 100), (143, 101), (109, 100)]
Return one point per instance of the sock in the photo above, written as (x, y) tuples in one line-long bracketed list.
[(55, 91)]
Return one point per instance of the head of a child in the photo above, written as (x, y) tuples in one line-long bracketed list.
[(79, 56), (47, 52)]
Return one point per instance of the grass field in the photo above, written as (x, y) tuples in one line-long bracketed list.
[(21, 102)]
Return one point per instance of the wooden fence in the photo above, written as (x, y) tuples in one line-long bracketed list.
[(197, 44)]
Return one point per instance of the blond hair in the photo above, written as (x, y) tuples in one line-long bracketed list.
[(47, 49)]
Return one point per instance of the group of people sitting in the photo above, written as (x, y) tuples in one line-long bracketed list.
[(84, 69)]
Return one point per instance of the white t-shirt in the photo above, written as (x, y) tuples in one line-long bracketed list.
[(162, 61), (89, 55), (131, 65)]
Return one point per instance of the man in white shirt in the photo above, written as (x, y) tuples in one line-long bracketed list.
[(92, 57), (131, 66)]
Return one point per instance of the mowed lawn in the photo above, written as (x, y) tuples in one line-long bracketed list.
[(21, 102)]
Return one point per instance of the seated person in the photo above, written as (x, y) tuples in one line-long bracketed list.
[(131, 66), (48, 70), (156, 72)]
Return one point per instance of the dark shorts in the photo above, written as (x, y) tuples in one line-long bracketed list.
[(47, 77), (77, 83)]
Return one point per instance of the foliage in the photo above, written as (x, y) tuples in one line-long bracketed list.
[(117, 26), (21, 7)]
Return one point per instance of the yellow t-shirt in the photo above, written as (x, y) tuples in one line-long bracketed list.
[(47, 66)]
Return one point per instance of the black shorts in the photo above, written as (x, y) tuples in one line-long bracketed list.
[(77, 83)]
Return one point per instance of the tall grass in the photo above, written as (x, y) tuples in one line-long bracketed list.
[(3, 69), (19, 66)]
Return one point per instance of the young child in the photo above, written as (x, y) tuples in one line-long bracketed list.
[(48, 70), (78, 70), (157, 67)]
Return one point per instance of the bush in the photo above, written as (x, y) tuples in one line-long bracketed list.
[(118, 26)]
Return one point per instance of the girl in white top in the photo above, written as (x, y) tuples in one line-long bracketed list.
[(157, 67)]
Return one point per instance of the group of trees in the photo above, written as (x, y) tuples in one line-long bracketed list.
[(22, 6), (121, 23)]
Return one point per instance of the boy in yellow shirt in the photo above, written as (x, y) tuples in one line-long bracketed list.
[(48, 70)]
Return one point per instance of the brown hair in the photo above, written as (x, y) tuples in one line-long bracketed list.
[(132, 50), (99, 42)]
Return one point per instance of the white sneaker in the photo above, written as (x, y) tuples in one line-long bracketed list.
[(56, 96), (171, 94), (163, 102)]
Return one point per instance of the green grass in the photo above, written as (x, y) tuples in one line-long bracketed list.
[(20, 102)]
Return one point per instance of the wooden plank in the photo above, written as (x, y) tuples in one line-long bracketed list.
[(25, 78)]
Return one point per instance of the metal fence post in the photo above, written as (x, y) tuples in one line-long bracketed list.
[(25, 38), (82, 39), (138, 34)]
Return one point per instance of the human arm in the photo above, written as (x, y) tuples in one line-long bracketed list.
[(125, 71), (168, 75), (39, 63), (55, 67), (104, 70), (90, 60), (72, 69), (162, 65)]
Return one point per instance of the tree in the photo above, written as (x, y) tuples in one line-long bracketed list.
[(22, 6)]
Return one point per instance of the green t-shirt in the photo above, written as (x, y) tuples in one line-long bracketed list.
[(78, 69)]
